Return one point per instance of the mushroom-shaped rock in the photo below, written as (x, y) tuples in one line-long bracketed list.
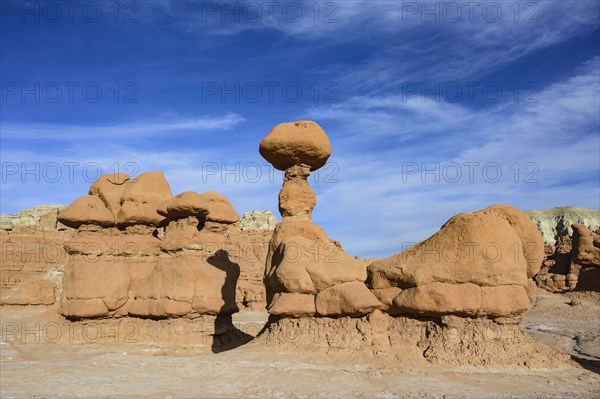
[(88, 209), (295, 143), (141, 198), (188, 203), (220, 209), (109, 188)]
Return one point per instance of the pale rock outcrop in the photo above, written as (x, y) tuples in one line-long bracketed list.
[(257, 220), (38, 217), (556, 222), (306, 273)]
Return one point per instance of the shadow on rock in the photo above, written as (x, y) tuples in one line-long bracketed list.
[(230, 337)]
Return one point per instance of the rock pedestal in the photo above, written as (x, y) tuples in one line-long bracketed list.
[(306, 273)]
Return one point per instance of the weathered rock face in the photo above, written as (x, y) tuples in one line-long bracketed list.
[(32, 256), (556, 222), (477, 265), (586, 246), (189, 266), (572, 263), (39, 217), (109, 188), (141, 198), (306, 273), (106, 267), (194, 274), (257, 220)]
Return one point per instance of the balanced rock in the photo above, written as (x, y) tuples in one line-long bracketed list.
[(109, 188), (188, 203), (141, 198), (88, 209), (295, 143)]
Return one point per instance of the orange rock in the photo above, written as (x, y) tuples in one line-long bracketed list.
[(220, 209), (295, 143), (140, 199), (346, 299), (188, 203), (88, 209), (293, 305), (109, 188)]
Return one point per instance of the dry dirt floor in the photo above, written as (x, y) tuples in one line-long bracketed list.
[(36, 367)]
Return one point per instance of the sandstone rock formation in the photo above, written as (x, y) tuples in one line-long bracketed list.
[(257, 220), (586, 255), (478, 265), (141, 198), (32, 256), (194, 274), (306, 273), (296, 143), (161, 257), (89, 210), (39, 217), (572, 262), (556, 222)]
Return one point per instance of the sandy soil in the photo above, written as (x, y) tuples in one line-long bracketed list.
[(568, 323)]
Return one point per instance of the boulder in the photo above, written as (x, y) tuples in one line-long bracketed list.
[(480, 248), (292, 305), (437, 299), (188, 203), (586, 246), (109, 188), (346, 299), (295, 143), (87, 209), (220, 209), (140, 199)]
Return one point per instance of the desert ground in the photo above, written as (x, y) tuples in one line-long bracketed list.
[(567, 322)]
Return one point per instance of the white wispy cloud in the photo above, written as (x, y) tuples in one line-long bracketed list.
[(548, 153), (136, 129)]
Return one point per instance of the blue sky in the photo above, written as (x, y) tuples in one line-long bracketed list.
[(498, 100)]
